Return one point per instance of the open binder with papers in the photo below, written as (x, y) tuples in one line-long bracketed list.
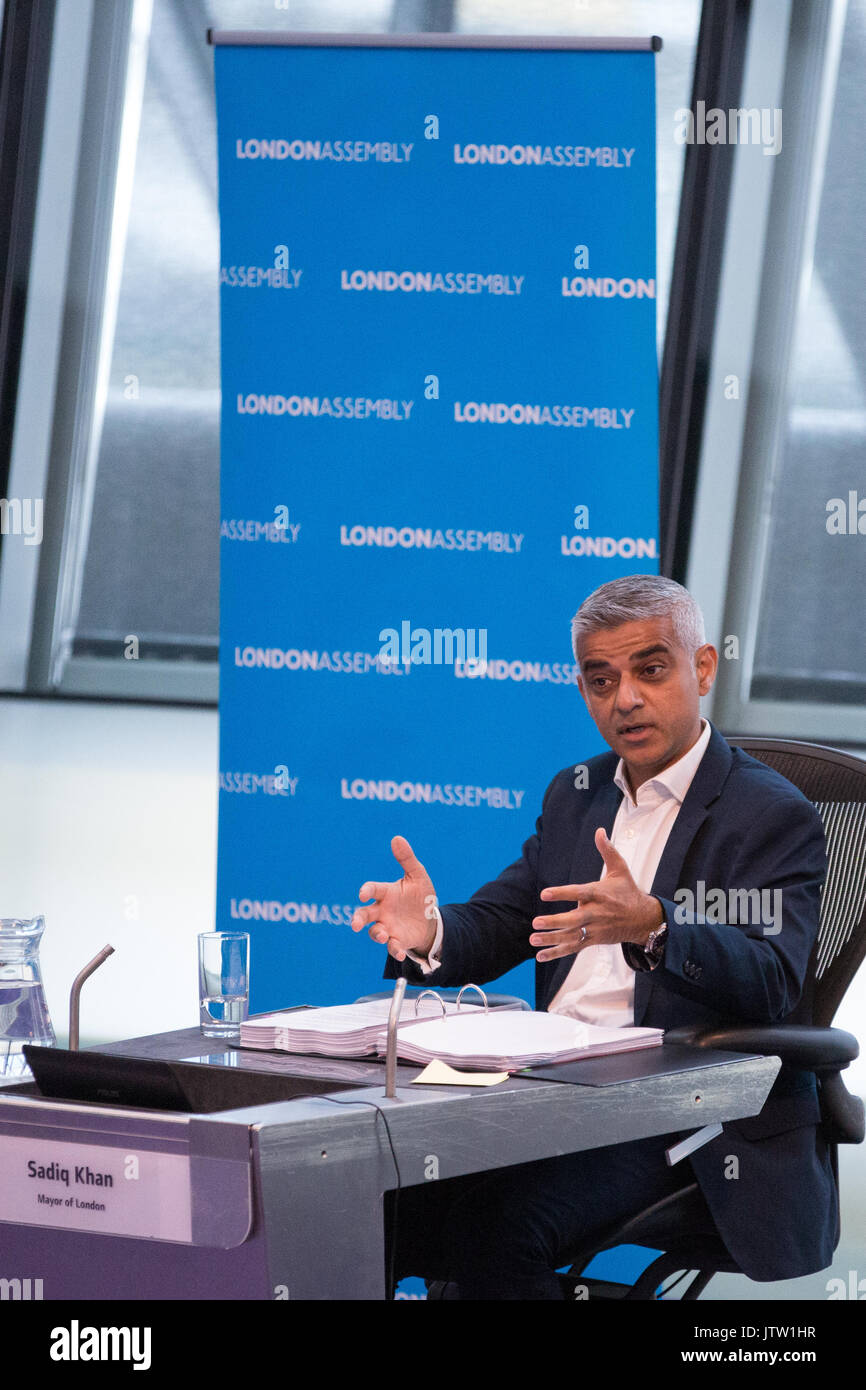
[(460, 1034), (509, 1041), (344, 1030)]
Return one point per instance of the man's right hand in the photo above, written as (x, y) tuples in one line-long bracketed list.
[(402, 913)]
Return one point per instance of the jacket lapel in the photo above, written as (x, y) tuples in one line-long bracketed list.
[(706, 786)]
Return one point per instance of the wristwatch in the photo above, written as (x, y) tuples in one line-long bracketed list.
[(655, 945)]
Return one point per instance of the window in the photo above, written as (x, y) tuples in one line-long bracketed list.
[(129, 564), (777, 556)]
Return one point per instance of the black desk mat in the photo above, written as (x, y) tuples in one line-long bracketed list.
[(634, 1066)]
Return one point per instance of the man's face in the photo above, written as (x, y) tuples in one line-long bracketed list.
[(643, 690)]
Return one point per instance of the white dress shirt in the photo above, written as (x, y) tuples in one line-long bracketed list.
[(599, 987)]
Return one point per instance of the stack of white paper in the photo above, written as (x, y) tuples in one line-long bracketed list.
[(346, 1030), (506, 1041)]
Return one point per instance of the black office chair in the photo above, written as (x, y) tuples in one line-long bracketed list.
[(681, 1225)]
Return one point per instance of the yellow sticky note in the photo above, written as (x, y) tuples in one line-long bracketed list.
[(440, 1074)]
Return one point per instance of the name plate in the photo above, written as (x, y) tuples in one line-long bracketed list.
[(95, 1187)]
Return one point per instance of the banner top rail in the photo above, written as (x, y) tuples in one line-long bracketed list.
[(264, 38)]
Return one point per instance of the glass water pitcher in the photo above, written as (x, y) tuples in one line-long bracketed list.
[(24, 1016)]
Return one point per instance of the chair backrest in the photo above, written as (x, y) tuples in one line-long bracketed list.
[(836, 783)]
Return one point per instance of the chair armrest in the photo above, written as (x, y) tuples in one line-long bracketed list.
[(800, 1045), (843, 1116), (824, 1051)]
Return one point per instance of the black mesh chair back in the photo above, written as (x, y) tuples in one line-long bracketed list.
[(681, 1225), (836, 783)]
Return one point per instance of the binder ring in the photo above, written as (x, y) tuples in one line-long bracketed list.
[(475, 987), (433, 995)]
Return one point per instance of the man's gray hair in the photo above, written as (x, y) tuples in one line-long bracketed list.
[(634, 598)]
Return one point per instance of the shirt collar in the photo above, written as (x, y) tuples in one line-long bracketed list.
[(674, 780)]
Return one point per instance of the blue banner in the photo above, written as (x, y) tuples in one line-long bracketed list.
[(439, 433)]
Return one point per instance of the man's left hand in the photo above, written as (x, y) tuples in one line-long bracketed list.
[(609, 911)]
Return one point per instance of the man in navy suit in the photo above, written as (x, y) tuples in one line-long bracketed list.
[(674, 881)]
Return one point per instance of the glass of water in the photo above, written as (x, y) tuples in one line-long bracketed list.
[(24, 1016), (223, 982)]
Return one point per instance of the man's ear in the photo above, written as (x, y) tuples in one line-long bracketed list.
[(706, 665), (582, 688)]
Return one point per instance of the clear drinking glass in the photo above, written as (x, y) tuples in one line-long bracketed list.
[(224, 982), (24, 1016)]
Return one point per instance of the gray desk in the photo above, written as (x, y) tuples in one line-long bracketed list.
[(287, 1198)]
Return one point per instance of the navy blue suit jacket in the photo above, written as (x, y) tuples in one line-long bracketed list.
[(741, 826)]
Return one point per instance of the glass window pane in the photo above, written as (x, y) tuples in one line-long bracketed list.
[(152, 558), (810, 643)]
